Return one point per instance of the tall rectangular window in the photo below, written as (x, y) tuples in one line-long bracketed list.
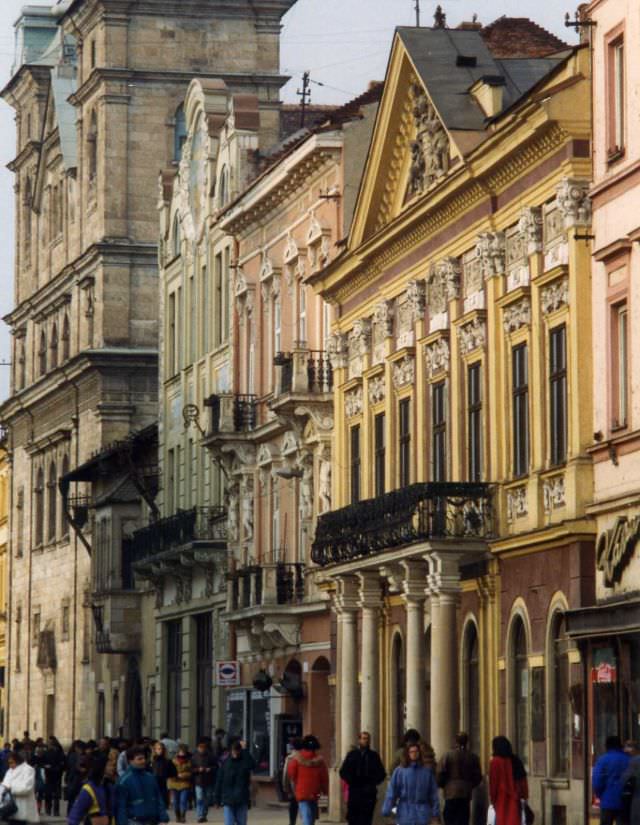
[(193, 319), (277, 326), (404, 442), (354, 459), (225, 294), (204, 292), (204, 673), (520, 408), (439, 431), (558, 394), (171, 482), (474, 422), (174, 678), (171, 336), (617, 101), (620, 370), (379, 449), (219, 333)]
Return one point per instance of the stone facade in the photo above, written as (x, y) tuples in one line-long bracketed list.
[(5, 471), (88, 101)]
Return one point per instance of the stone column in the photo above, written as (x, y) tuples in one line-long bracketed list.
[(444, 582), (348, 634), (370, 601), (415, 581)]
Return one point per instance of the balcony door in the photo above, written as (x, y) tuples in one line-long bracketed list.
[(204, 673)]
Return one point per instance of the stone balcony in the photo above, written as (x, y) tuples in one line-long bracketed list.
[(302, 374)]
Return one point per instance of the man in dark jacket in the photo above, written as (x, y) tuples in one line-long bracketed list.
[(458, 774), (203, 767), (138, 794), (363, 771), (233, 785)]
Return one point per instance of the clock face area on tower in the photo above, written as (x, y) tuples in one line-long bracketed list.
[(197, 172)]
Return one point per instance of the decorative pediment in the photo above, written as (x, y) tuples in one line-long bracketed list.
[(554, 296), (404, 372), (473, 335), (377, 389), (318, 244), (353, 402), (265, 455), (516, 315), (437, 357)]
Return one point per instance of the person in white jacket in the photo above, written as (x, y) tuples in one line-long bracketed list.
[(20, 779)]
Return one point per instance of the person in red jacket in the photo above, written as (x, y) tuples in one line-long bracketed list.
[(309, 777), (507, 783)]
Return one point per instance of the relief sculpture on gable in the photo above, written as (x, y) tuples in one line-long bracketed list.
[(430, 149)]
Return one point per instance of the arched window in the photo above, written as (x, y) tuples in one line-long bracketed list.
[(397, 685), (38, 508), (559, 703), (520, 689), (223, 187), (21, 359), (66, 338), (53, 346), (42, 354), (52, 503), (180, 133), (471, 685), (92, 148), (177, 235)]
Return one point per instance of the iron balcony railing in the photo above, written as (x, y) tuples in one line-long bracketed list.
[(256, 586), (419, 512), (304, 371), (186, 526), (232, 413)]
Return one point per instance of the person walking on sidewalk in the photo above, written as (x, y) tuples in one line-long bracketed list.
[(204, 767), (363, 771), (20, 779), (309, 776), (180, 784), (508, 787), (287, 787), (458, 774), (607, 780), (412, 790), (233, 785), (138, 798)]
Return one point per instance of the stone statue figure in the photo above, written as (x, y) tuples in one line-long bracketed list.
[(232, 512), (306, 489), (325, 485), (247, 510)]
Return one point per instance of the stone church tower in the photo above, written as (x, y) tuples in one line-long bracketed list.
[(97, 88)]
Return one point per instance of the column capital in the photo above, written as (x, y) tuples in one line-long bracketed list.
[(346, 597), (414, 585), (393, 573), (444, 573), (370, 594)]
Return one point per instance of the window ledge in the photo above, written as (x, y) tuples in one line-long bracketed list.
[(557, 783), (614, 154)]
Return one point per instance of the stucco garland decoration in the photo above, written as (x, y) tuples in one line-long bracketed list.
[(490, 249), (554, 296), (353, 402), (472, 335), (377, 389), (574, 203), (516, 315), (517, 503), (437, 357), (553, 493), (404, 372)]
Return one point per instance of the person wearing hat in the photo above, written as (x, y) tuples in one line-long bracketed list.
[(309, 777)]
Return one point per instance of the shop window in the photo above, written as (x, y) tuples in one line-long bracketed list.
[(559, 702), (474, 421), (520, 409), (398, 688), (354, 458), (204, 673), (471, 685), (173, 631), (520, 689), (404, 457), (379, 449)]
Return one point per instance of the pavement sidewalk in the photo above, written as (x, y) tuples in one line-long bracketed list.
[(260, 815)]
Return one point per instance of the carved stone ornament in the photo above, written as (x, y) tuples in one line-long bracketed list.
[(404, 372), (517, 315), (416, 298), (337, 350), (616, 547), (517, 504), (574, 202), (491, 252), (530, 226), (377, 389), (437, 357), (553, 495), (430, 149), (360, 336), (191, 185), (443, 285), (247, 508), (554, 296), (472, 335), (383, 317), (353, 402)]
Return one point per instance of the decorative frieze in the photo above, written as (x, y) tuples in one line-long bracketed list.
[(472, 335), (517, 315), (517, 503), (430, 149), (437, 357), (554, 296), (377, 389), (574, 203), (337, 350), (353, 402), (553, 494), (530, 227), (490, 250), (404, 372)]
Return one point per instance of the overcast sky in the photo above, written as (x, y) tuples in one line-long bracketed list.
[(343, 43)]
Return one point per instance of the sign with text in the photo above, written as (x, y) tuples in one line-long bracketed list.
[(227, 674)]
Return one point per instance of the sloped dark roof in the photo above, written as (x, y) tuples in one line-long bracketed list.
[(290, 117), (436, 55), (520, 37)]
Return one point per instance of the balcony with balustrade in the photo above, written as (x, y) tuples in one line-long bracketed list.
[(303, 376)]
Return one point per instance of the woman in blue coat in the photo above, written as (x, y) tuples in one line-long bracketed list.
[(412, 791)]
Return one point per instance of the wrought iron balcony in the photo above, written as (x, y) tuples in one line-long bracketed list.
[(206, 524), (266, 586), (303, 372), (232, 413), (420, 512)]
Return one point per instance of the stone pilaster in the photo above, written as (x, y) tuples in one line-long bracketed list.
[(347, 605), (370, 601), (415, 581)]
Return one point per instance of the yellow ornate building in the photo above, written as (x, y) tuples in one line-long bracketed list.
[(4, 541), (463, 407)]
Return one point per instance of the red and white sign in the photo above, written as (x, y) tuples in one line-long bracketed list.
[(604, 674), (227, 674)]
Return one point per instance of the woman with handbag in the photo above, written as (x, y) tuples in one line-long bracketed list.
[(508, 788), (20, 781)]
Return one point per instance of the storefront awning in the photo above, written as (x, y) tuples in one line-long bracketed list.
[(604, 619)]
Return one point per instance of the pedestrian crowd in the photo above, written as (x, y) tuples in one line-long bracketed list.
[(119, 782)]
